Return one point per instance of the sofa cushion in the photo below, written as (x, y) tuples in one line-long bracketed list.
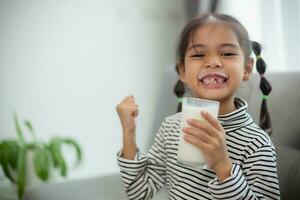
[(283, 105), (108, 187), (288, 166)]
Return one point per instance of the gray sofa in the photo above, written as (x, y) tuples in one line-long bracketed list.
[(283, 105)]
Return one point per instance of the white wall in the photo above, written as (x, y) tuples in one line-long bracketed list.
[(66, 64), (273, 23)]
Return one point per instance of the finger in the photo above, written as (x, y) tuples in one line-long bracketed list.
[(129, 100), (196, 141), (134, 111), (202, 125), (202, 135), (125, 106), (129, 109), (212, 120), (135, 105), (131, 97)]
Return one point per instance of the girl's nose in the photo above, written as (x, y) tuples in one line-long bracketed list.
[(213, 61)]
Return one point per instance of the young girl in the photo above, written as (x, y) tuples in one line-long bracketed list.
[(213, 60)]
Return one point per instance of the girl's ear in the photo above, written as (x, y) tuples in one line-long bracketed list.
[(181, 71), (248, 69)]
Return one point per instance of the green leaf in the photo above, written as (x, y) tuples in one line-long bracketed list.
[(21, 179), (8, 157), (57, 156), (30, 127), (13, 154), (73, 143), (41, 163), (5, 168), (59, 161), (31, 146), (20, 136), (9, 152)]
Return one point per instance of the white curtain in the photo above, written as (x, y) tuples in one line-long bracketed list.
[(273, 23)]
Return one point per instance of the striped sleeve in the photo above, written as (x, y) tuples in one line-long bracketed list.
[(257, 179), (145, 176)]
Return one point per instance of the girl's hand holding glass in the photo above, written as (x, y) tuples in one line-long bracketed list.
[(209, 137)]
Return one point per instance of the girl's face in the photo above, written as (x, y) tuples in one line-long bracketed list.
[(214, 65)]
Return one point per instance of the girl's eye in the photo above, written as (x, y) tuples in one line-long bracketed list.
[(227, 54), (198, 55)]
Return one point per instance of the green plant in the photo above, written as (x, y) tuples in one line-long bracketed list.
[(46, 156)]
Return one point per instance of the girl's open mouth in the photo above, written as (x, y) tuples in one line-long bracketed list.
[(213, 80)]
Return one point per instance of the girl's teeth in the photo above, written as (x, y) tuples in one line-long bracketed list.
[(213, 80)]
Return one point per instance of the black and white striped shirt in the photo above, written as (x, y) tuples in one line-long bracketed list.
[(253, 175)]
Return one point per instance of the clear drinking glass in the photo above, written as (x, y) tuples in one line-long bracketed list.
[(189, 154)]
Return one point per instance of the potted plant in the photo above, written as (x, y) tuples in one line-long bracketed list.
[(46, 156)]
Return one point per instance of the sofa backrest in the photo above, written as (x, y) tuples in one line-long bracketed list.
[(283, 104)]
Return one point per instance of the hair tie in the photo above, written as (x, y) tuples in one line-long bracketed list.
[(262, 75), (265, 97), (179, 99), (258, 57)]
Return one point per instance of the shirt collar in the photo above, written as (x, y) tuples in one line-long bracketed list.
[(237, 118)]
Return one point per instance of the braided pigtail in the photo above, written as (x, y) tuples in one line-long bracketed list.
[(265, 87), (179, 90)]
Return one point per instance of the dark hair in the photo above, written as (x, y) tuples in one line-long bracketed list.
[(247, 46)]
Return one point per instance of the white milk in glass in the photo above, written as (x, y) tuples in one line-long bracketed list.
[(191, 109)]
